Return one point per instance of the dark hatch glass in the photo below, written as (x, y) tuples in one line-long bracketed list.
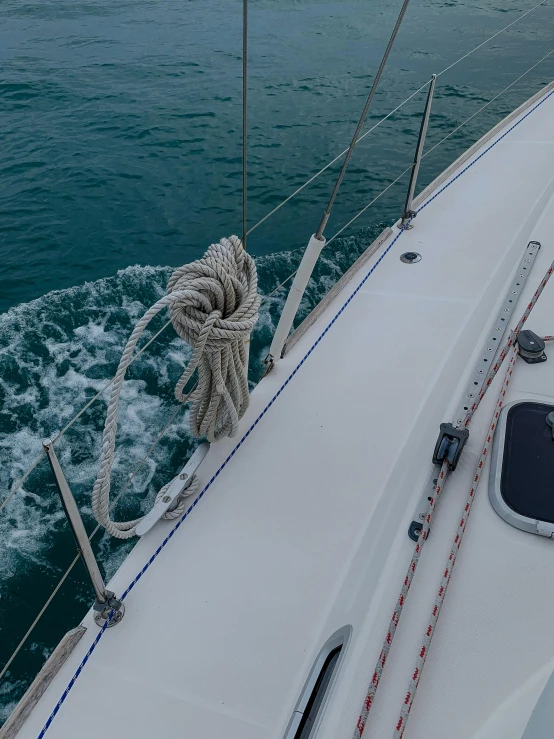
[(527, 481)]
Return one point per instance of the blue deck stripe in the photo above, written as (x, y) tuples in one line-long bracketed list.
[(265, 410)]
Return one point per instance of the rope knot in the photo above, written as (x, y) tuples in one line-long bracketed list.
[(215, 309), (214, 305)]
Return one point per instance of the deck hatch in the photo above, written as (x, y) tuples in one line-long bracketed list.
[(522, 475), (317, 688)]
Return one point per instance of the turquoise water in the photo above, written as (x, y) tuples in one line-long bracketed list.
[(120, 159)]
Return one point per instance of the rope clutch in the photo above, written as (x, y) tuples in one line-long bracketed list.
[(213, 304)]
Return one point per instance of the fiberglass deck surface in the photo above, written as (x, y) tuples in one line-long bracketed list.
[(304, 530)]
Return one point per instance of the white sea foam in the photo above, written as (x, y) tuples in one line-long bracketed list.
[(55, 354), (58, 351)]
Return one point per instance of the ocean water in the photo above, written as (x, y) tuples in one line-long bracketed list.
[(120, 160)]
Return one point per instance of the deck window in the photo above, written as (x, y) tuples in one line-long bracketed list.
[(317, 689), (521, 485)]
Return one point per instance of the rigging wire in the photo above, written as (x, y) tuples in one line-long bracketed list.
[(336, 159), (446, 69), (269, 295), (377, 79), (388, 115), (266, 298), (244, 120), (487, 104), (370, 203), (411, 166), (91, 536), (38, 617), (17, 485)]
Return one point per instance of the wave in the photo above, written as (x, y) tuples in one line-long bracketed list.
[(56, 353)]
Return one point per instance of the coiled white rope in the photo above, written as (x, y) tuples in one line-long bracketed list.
[(213, 304)]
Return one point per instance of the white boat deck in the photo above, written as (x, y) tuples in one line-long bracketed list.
[(305, 529)]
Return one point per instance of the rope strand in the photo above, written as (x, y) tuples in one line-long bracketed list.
[(447, 573), (214, 307)]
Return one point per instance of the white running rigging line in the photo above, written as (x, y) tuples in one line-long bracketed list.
[(214, 307)]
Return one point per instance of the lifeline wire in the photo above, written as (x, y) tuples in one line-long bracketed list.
[(351, 221), (262, 414), (327, 213), (16, 486), (22, 479), (244, 120), (91, 536), (389, 114)]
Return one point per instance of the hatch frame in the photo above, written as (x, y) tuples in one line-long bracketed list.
[(517, 520)]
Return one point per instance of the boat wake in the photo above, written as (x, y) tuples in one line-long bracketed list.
[(56, 353)]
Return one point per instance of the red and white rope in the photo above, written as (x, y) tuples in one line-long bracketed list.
[(441, 481), (400, 603), (430, 630)]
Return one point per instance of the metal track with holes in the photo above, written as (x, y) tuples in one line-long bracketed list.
[(482, 366)]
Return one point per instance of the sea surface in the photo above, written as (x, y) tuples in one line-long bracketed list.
[(120, 159)]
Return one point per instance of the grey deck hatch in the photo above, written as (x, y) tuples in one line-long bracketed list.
[(521, 482)]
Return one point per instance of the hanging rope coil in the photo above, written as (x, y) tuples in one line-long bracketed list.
[(213, 304), (215, 312)]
